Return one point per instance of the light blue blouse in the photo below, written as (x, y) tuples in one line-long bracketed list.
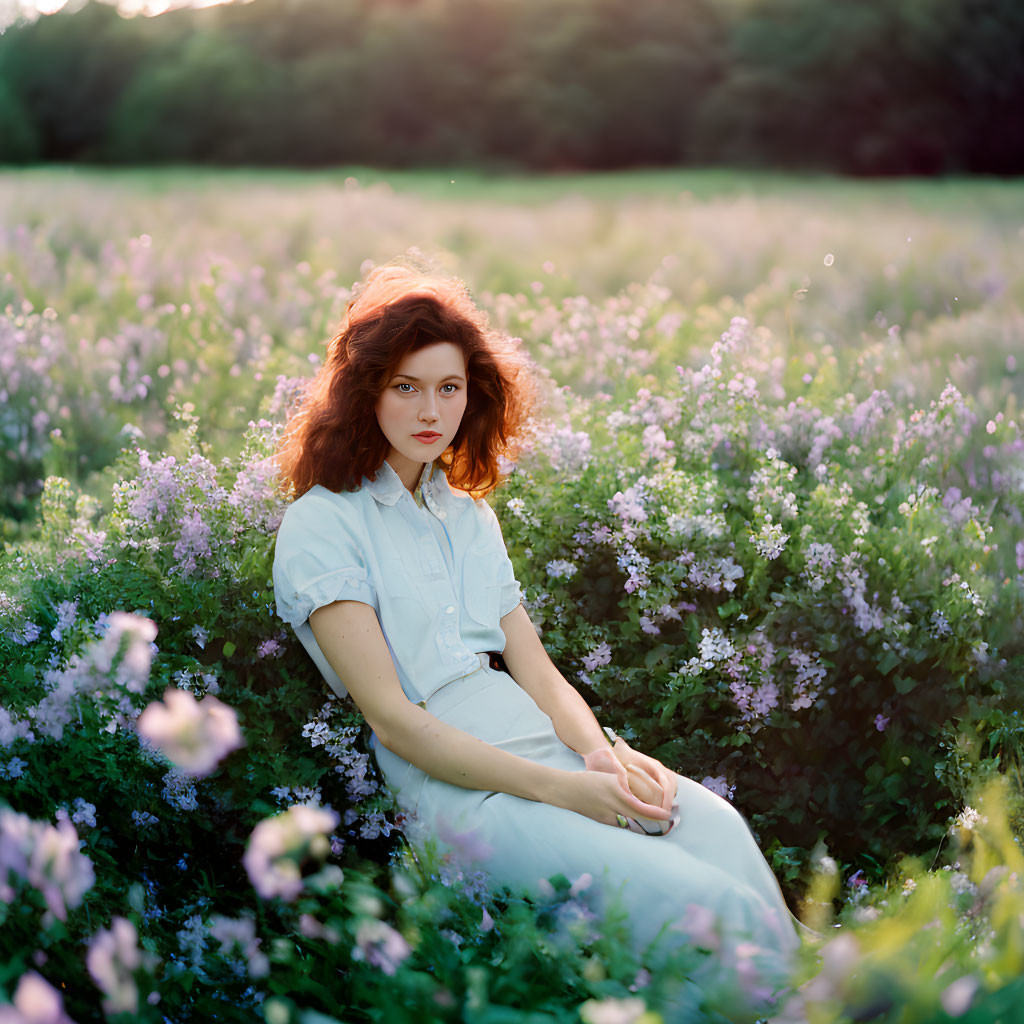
[(433, 567)]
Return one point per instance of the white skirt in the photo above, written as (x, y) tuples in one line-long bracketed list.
[(708, 861)]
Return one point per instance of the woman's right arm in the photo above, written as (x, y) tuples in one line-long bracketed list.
[(350, 637)]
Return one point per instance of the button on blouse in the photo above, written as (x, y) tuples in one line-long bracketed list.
[(433, 567)]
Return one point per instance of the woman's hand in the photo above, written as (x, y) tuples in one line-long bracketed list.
[(602, 793), (647, 779), (640, 764)]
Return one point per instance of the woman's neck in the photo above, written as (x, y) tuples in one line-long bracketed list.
[(409, 472)]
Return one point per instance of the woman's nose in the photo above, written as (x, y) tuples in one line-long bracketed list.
[(428, 410)]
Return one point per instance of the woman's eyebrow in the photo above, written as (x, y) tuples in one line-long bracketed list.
[(416, 380)]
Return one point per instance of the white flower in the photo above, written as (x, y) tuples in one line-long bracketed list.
[(714, 646), (195, 735), (613, 1011), (560, 569), (967, 819), (278, 845), (112, 959), (35, 1002), (770, 540), (230, 932), (827, 865)]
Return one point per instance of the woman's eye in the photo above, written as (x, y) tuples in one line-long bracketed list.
[(403, 386), (449, 389)]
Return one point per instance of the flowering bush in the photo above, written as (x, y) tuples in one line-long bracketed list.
[(748, 587)]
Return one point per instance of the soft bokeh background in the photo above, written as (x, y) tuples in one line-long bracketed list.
[(877, 87)]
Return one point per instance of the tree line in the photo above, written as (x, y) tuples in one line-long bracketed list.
[(875, 87)]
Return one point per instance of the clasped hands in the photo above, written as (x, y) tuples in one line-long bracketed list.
[(646, 786)]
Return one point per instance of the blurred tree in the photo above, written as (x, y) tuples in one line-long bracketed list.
[(877, 87), (19, 137), (67, 71), (603, 83), (985, 60), (918, 86), (211, 102)]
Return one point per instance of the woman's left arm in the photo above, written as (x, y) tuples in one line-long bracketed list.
[(570, 714)]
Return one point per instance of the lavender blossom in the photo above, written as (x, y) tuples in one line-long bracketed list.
[(598, 657), (47, 858)]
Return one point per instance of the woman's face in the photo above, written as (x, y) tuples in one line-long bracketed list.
[(421, 407)]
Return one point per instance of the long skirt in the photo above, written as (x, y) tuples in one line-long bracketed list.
[(709, 862)]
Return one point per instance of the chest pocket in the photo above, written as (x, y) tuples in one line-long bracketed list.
[(481, 587)]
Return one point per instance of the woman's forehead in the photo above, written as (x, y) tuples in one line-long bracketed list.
[(434, 361)]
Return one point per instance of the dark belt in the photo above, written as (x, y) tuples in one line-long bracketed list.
[(497, 662)]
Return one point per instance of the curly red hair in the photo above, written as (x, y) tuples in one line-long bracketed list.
[(332, 437)]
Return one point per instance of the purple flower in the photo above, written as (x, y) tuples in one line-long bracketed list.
[(881, 722), (46, 857), (560, 569), (67, 612), (267, 648), (598, 657), (568, 450), (380, 945), (719, 785)]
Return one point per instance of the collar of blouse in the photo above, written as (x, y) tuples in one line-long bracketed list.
[(388, 486)]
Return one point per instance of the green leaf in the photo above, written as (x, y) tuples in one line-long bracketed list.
[(889, 661), (904, 684), (229, 648), (657, 655)]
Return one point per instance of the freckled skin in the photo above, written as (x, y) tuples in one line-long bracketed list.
[(425, 396)]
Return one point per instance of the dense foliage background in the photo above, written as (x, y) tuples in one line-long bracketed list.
[(876, 87), (771, 524)]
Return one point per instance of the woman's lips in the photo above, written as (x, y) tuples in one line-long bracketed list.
[(427, 437)]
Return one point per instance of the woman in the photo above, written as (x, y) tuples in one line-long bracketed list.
[(392, 570)]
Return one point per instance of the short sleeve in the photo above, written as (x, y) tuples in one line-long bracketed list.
[(317, 560), (501, 569)]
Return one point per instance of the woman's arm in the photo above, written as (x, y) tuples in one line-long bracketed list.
[(574, 722), (534, 671), (350, 637)]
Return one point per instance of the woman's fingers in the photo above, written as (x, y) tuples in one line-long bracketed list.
[(645, 808), (643, 786), (665, 779)]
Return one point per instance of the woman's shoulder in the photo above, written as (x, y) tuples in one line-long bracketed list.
[(320, 506)]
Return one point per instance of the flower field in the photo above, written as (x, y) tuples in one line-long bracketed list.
[(772, 525)]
